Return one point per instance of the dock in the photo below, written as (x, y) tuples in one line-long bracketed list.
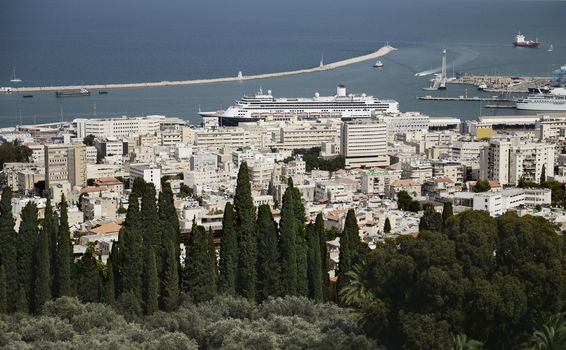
[(240, 77), (464, 99), (503, 84)]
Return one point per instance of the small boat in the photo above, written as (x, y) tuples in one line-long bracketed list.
[(482, 86), (14, 79), (103, 92), (27, 96), (551, 48), (378, 64)]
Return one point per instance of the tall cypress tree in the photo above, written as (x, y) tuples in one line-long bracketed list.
[(116, 258), (151, 225), (150, 282), (49, 229), (3, 291), (350, 248), (170, 249), (245, 219), (107, 291), (228, 253), (42, 272), (321, 234), (8, 252), (213, 258), (63, 271), (198, 278), (26, 240), (287, 242), (267, 255), (300, 242), (314, 267), (88, 288), (447, 212), (131, 249), (387, 226)]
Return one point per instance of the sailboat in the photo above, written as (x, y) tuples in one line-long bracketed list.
[(551, 48), (378, 64), (14, 79)]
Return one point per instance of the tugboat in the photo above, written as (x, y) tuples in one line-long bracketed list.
[(378, 64), (521, 42), (81, 92)]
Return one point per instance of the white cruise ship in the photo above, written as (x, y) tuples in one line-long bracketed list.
[(555, 101), (265, 106)]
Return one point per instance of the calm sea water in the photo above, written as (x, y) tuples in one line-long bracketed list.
[(61, 42)]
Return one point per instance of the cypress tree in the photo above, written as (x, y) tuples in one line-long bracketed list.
[(431, 220), (170, 247), (107, 292), (213, 258), (350, 250), (151, 225), (245, 219), (130, 249), (267, 266), (50, 230), (228, 253), (300, 242), (3, 290), (320, 233), (116, 258), (314, 264), (447, 212), (198, 278), (387, 226), (26, 240), (42, 272), (63, 271), (150, 282), (88, 277), (287, 241), (8, 253), (170, 278)]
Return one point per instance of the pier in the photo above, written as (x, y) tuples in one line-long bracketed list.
[(503, 84), (240, 77)]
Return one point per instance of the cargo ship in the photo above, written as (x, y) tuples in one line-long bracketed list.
[(521, 42), (81, 92)]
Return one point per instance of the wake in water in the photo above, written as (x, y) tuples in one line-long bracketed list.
[(465, 55)]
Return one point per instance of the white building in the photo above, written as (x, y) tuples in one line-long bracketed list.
[(149, 172), (364, 143), (123, 126), (497, 203)]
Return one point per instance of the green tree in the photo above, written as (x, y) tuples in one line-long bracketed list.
[(198, 280), (49, 228), (482, 186), (8, 249), (415, 206), (314, 264), (228, 253), (139, 187), (268, 276), (462, 342), (3, 291), (387, 226), (89, 278), (321, 234), (447, 212), (431, 219), (130, 245), (64, 254), (355, 294), (26, 240), (88, 140), (245, 220), (170, 243), (170, 278), (404, 200), (351, 252), (42, 272), (14, 152), (151, 225), (543, 174), (300, 242), (287, 245), (551, 335), (107, 291), (150, 282)]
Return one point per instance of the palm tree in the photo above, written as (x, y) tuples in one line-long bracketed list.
[(552, 335), (462, 342), (355, 294)]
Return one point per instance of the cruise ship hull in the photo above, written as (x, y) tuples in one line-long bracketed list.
[(557, 105)]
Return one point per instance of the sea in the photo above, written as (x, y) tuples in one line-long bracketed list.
[(76, 42)]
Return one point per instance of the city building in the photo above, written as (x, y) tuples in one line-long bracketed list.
[(364, 143), (65, 162), (149, 172)]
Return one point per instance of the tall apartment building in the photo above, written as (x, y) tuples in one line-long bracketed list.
[(307, 136), (65, 163), (149, 172), (508, 163), (364, 143)]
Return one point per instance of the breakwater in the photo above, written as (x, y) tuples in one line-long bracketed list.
[(323, 67)]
